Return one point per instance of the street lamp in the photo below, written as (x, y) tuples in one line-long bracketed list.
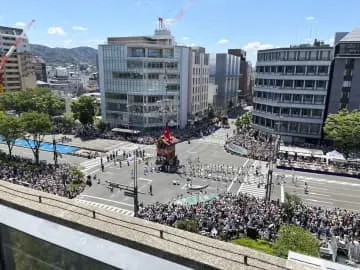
[(55, 152), (136, 201)]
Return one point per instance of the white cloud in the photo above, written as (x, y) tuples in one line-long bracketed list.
[(185, 38), (252, 47), (310, 18), (20, 24), (56, 30), (79, 28), (330, 41), (223, 41), (68, 41)]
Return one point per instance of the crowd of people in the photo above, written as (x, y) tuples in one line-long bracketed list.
[(256, 148), (232, 216), (44, 177)]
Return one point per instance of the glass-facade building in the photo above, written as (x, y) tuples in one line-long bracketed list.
[(291, 90), (140, 81)]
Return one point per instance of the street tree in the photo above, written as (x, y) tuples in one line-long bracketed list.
[(36, 125), (244, 121), (343, 128), (11, 129), (294, 238), (37, 99), (84, 110)]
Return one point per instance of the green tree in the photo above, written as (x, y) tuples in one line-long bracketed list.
[(37, 125), (188, 225), (101, 125), (84, 110), (78, 176), (343, 128), (36, 99), (292, 237), (11, 129), (244, 121), (292, 202)]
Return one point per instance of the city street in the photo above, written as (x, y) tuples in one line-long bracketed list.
[(324, 190)]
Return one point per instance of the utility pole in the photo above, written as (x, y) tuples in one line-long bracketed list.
[(55, 152), (136, 201)]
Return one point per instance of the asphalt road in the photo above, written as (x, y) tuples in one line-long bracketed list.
[(324, 190)]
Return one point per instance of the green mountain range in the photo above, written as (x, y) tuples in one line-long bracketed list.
[(65, 56)]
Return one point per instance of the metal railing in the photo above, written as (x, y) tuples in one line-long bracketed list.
[(155, 232)]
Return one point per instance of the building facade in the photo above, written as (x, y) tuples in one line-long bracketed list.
[(291, 90), (39, 68), (139, 81), (345, 73), (227, 78), (244, 83), (198, 84), (18, 72)]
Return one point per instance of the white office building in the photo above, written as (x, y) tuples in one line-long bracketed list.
[(148, 81), (290, 92), (139, 81)]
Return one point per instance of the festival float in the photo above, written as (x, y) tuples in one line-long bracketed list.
[(166, 157)]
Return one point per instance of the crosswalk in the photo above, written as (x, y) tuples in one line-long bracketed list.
[(88, 165), (106, 207), (213, 140), (253, 190)]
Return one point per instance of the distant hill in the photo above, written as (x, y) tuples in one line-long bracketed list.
[(61, 55)]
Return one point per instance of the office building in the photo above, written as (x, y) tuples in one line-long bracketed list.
[(244, 82), (198, 84), (139, 81), (39, 68), (291, 89), (19, 72), (227, 79), (345, 73)]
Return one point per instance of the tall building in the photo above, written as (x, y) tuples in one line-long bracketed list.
[(19, 73), (345, 73), (39, 68), (198, 84), (244, 81), (227, 78), (140, 81), (291, 89)]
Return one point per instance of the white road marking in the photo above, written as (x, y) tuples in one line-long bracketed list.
[(107, 200), (319, 194), (145, 179), (237, 192), (230, 186), (246, 162), (282, 197), (318, 201)]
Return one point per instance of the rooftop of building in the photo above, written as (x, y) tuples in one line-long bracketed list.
[(315, 46), (38, 60), (353, 36), (6, 28), (188, 249)]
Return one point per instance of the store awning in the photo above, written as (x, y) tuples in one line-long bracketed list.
[(126, 131)]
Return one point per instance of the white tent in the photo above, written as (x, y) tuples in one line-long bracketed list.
[(335, 155)]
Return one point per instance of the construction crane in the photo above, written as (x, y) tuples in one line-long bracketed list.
[(3, 60)]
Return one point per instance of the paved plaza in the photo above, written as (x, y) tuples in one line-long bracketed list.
[(206, 163)]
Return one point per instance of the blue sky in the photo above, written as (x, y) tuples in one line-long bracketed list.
[(214, 24)]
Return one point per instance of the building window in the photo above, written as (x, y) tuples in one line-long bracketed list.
[(136, 52), (311, 69), (299, 83), (319, 99), (300, 69), (296, 98), (279, 83), (309, 84), (288, 83), (280, 69), (153, 76), (323, 69), (290, 69), (116, 96), (134, 64), (154, 53), (173, 87), (168, 53), (321, 84), (154, 65)]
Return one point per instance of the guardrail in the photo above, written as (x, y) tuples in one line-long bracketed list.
[(155, 232)]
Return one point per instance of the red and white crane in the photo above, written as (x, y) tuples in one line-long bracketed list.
[(3, 60)]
